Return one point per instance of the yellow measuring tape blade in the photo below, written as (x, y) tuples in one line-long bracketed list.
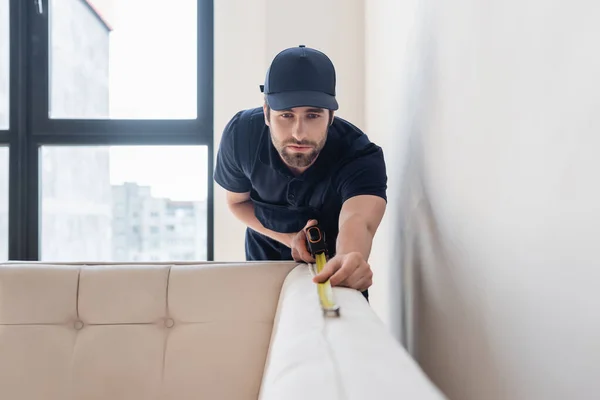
[(324, 289)]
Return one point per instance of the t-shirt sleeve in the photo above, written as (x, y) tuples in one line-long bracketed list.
[(229, 172), (364, 175)]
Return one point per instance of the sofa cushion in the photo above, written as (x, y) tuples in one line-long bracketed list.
[(136, 331)]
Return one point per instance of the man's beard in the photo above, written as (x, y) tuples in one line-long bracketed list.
[(298, 160)]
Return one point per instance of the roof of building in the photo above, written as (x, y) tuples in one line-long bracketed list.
[(102, 18)]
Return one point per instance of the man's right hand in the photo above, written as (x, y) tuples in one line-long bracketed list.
[(298, 244)]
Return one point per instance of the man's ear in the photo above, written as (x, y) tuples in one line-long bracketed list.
[(266, 113), (331, 115)]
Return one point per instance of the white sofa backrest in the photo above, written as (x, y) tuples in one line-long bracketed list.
[(353, 357)]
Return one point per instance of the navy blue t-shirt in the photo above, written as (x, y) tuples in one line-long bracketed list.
[(348, 165)]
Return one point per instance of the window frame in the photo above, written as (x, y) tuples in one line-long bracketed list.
[(31, 126)]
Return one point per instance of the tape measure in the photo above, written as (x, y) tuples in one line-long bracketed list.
[(315, 239)]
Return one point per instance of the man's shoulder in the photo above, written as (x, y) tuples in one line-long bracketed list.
[(242, 136), (351, 141), (245, 128), (360, 165), (246, 123), (346, 126)]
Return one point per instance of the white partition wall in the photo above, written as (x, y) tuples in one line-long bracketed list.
[(503, 228)]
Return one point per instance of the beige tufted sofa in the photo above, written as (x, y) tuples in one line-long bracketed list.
[(191, 331)]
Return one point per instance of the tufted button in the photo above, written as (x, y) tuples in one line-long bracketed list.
[(169, 322), (78, 325)]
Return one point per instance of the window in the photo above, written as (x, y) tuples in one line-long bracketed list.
[(4, 64), (89, 192), (114, 127), (140, 59), (3, 203)]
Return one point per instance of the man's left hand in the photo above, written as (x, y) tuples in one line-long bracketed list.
[(349, 270)]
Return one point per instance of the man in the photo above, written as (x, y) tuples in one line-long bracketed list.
[(292, 163)]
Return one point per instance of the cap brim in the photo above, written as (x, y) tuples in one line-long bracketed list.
[(287, 100)]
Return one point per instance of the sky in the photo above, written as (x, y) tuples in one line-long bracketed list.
[(152, 64), (175, 172)]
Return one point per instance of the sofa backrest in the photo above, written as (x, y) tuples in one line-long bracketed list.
[(138, 331), (353, 357)]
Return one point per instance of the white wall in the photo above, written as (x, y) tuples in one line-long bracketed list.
[(506, 274), (393, 75)]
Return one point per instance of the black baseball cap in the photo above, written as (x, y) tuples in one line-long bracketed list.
[(300, 77)]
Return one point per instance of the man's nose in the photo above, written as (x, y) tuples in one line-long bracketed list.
[(299, 129)]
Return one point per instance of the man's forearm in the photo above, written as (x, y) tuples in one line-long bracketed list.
[(354, 235), (245, 213)]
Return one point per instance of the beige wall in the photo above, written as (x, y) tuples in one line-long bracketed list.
[(240, 66), (336, 28)]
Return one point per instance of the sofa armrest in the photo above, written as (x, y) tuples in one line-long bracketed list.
[(351, 357)]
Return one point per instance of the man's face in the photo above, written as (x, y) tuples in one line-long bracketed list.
[(298, 134)]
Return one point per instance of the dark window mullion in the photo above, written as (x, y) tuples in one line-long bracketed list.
[(205, 101), (39, 87), (19, 216), (32, 202), (37, 99), (210, 214), (205, 63), (23, 204), (116, 140), (120, 127)]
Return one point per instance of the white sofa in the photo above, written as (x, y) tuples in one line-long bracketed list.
[(192, 331)]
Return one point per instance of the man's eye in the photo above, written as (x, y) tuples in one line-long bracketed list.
[(313, 115), (286, 115)]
